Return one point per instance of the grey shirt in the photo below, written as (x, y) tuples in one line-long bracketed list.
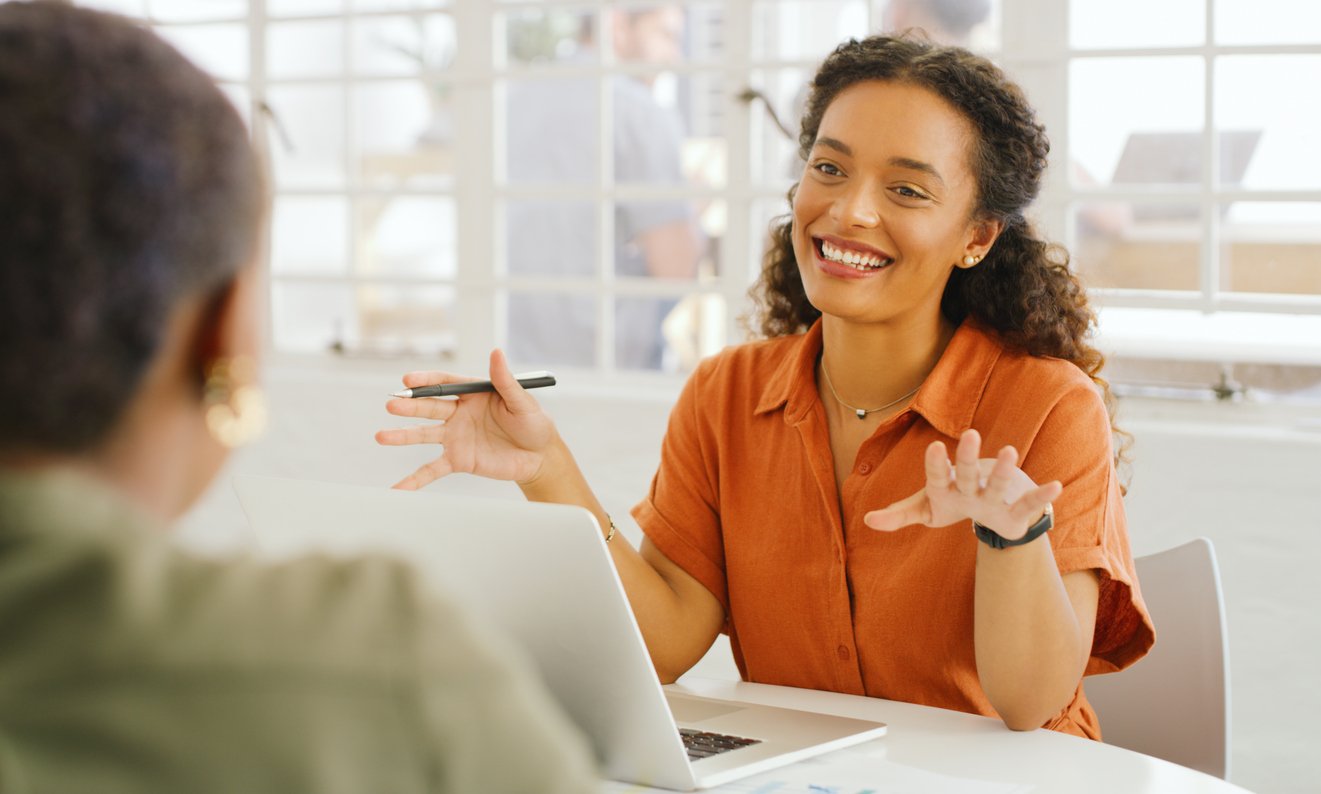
[(129, 665), (554, 139)]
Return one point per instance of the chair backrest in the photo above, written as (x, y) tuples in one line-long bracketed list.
[(1174, 703)]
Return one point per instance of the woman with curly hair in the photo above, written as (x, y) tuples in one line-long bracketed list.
[(806, 502)]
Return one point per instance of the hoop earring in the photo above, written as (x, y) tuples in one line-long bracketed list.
[(235, 405)]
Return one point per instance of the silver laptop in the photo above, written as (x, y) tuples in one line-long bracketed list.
[(1175, 158), (542, 573)]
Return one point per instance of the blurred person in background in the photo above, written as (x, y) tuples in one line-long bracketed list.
[(942, 21), (131, 212), (554, 139)]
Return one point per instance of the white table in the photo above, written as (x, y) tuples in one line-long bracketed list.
[(933, 750)]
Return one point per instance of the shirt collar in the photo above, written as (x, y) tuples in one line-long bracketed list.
[(948, 398)]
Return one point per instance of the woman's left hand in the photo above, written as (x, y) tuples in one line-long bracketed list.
[(994, 492)]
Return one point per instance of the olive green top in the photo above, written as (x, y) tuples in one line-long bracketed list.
[(130, 665)]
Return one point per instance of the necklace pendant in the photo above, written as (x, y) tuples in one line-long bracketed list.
[(861, 413)]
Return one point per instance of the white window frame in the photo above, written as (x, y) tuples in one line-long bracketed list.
[(1203, 325), (1206, 324)]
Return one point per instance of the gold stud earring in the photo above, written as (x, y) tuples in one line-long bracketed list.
[(235, 405)]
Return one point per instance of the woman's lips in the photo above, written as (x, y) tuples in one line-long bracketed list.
[(865, 264)]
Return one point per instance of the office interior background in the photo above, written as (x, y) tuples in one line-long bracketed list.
[(1185, 180)]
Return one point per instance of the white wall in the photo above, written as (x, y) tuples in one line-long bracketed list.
[(1248, 477)]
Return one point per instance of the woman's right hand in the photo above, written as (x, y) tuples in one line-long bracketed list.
[(503, 435)]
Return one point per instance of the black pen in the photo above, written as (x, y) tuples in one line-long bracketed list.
[(528, 380)]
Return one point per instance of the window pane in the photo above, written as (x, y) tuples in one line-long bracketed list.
[(553, 131), (312, 317), (551, 36), (305, 49), (1156, 95), (1113, 24), (397, 5), (552, 239), (313, 119), (1271, 247), (393, 318), (667, 334), (363, 319), (548, 329), (192, 10), (805, 30), (405, 134), (1267, 21), (296, 8), (694, 327), (220, 50), (773, 152), (657, 239), (309, 235), (766, 215), (404, 45), (1139, 245), (712, 226), (407, 235), (1286, 155)]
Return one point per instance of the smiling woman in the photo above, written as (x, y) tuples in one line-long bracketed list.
[(909, 307)]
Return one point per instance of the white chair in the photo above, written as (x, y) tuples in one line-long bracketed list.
[(1174, 703)]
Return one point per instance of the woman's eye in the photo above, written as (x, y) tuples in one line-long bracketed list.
[(908, 192), (829, 169)]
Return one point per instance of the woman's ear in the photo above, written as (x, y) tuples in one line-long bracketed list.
[(230, 326), (983, 233)]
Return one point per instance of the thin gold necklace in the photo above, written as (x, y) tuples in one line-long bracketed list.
[(862, 412)]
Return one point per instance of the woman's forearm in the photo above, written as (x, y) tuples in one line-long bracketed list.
[(1032, 631), (678, 617)]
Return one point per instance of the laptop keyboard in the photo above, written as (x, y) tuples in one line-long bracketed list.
[(704, 744)]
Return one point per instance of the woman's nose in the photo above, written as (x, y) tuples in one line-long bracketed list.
[(858, 207)]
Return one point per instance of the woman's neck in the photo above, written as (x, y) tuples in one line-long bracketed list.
[(870, 365)]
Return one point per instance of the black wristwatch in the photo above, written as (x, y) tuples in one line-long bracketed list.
[(991, 538)]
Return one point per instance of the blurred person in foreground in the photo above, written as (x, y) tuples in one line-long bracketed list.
[(131, 207), (906, 488)]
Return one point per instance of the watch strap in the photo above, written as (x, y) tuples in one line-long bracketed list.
[(993, 539)]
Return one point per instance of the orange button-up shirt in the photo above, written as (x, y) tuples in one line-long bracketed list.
[(745, 500)]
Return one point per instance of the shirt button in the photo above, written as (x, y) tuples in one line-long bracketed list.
[(843, 653), (865, 468)]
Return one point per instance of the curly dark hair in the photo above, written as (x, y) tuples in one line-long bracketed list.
[(1024, 288), (127, 184)]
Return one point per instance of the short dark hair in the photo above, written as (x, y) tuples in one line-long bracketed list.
[(127, 184)]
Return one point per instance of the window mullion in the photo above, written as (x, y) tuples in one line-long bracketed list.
[(1209, 261), (738, 247), (605, 259), (475, 317), (256, 23), (1035, 47)]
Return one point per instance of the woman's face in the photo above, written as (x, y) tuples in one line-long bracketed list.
[(883, 212)]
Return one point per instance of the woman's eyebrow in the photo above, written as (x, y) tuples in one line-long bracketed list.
[(836, 144), (899, 162), (917, 165)]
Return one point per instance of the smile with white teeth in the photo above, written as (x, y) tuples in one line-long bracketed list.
[(854, 259)]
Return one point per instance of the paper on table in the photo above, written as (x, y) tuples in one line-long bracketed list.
[(846, 773)]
